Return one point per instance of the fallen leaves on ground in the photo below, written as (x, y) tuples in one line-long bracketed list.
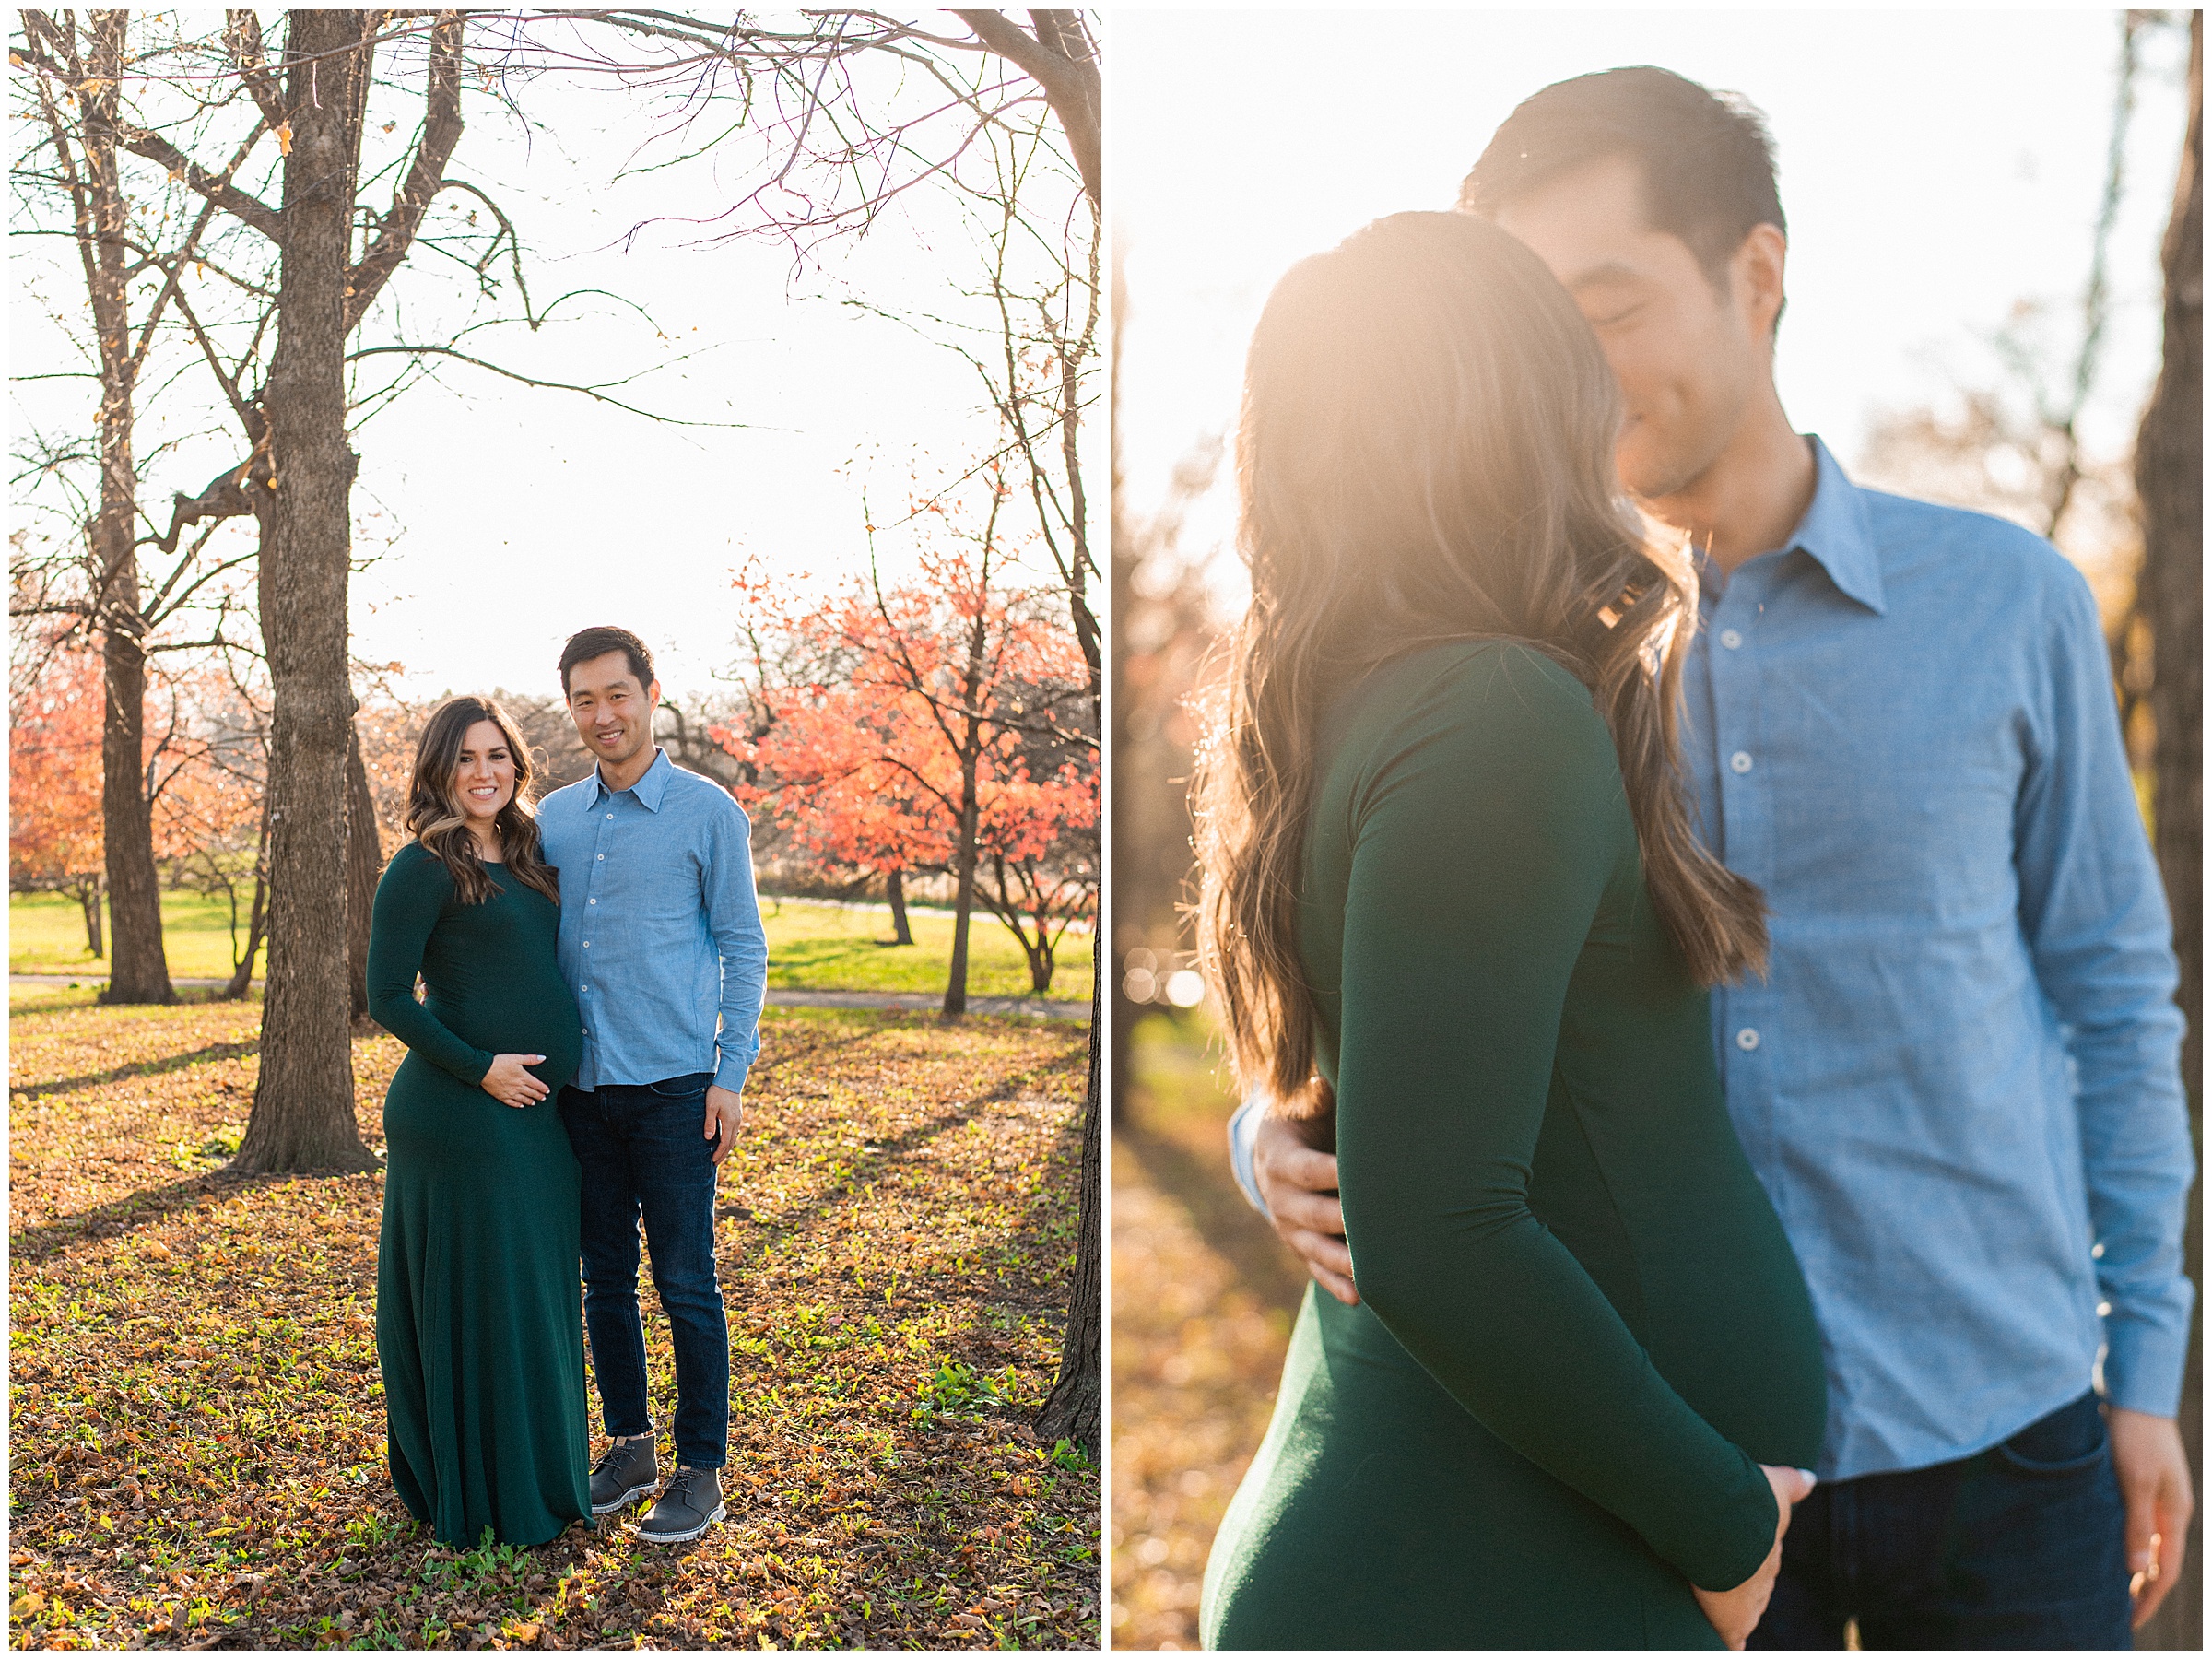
[(197, 1421)]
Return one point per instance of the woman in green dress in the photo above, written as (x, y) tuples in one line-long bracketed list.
[(1454, 910), (479, 1321)]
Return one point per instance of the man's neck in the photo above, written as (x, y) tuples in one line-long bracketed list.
[(618, 779), (1753, 495)]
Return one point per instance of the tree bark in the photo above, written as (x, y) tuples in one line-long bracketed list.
[(364, 864), (963, 903), (88, 896), (138, 971), (2169, 482), (894, 890), (1071, 1411), (303, 1116)]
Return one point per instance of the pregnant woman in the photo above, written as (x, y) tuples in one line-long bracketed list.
[(479, 1323), (1449, 867)]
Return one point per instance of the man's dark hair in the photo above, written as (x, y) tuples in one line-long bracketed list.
[(1707, 159), (597, 643)]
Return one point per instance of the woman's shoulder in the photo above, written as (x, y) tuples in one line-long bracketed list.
[(1481, 695), (415, 869)]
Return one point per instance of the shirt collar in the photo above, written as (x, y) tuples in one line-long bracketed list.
[(1835, 535), (648, 790)]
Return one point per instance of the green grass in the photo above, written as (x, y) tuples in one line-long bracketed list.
[(46, 936), (810, 947), (825, 947)]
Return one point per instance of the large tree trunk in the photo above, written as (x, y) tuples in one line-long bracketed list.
[(1071, 1411), (364, 863), (2170, 480), (303, 1116), (138, 971)]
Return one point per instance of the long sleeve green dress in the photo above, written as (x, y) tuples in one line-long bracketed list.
[(1582, 1328), (479, 1305)]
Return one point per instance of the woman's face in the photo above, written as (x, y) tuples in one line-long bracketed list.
[(483, 779)]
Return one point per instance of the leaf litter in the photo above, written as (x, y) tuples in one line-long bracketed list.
[(196, 1427)]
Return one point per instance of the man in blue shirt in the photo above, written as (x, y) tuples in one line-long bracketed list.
[(661, 941), (1960, 1084)]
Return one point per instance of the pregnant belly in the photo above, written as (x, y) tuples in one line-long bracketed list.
[(530, 1018), (1730, 1326)]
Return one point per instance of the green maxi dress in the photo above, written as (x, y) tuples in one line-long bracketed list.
[(1582, 1328), (479, 1320)]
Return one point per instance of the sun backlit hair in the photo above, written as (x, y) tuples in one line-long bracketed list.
[(1425, 455)]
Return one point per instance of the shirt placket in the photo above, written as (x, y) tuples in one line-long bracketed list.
[(1737, 649), (596, 888)]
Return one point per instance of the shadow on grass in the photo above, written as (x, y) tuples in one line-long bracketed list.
[(167, 1063), (132, 1211), (868, 1167)]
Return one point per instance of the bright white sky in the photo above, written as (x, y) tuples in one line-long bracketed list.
[(1936, 169), (505, 517)]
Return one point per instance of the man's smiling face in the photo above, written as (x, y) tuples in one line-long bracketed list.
[(611, 711), (1689, 358)]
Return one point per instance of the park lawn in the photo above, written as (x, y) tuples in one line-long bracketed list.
[(821, 947), (811, 947), (46, 936), (197, 1443)]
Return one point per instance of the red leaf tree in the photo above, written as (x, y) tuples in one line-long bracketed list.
[(55, 841), (933, 724)]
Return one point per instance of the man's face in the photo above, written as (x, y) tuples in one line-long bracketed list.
[(1689, 359), (611, 711)]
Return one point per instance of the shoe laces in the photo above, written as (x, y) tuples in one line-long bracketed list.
[(611, 1457), (680, 1484)]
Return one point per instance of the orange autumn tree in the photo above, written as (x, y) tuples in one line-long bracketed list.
[(930, 724), (54, 842)]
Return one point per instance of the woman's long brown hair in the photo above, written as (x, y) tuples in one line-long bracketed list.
[(436, 817), (1425, 455)]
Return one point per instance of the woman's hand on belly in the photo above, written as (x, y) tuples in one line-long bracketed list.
[(1735, 1613), (510, 1082)]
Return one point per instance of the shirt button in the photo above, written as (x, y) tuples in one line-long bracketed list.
[(1738, 762), (587, 945), (1731, 638), (610, 815), (590, 901), (602, 855), (1747, 1038)]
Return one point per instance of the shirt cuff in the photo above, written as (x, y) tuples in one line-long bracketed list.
[(2143, 1366), (1243, 1141)]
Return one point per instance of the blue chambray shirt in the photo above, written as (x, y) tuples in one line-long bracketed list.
[(1960, 1083), (660, 931)]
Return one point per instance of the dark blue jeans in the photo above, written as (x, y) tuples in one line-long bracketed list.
[(644, 1158), (2021, 1546)]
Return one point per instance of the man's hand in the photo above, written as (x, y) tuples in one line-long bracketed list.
[(2154, 1482), (1735, 1613), (725, 1117), (1300, 1186)]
